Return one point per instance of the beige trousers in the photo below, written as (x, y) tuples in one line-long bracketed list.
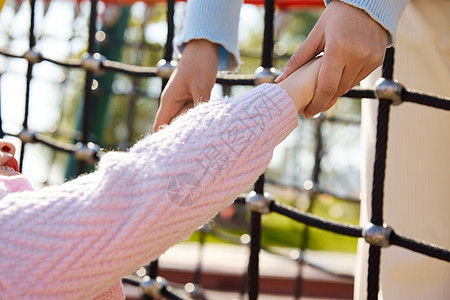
[(417, 186)]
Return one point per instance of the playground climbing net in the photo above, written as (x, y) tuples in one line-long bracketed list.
[(387, 91)]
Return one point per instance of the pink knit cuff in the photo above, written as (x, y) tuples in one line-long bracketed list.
[(278, 114)]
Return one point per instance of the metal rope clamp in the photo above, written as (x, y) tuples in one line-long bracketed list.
[(258, 202), (377, 235), (27, 137), (266, 75), (33, 56), (93, 63), (205, 228), (165, 68), (153, 287), (87, 152), (389, 89)]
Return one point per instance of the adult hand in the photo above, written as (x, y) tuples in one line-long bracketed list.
[(191, 82), (301, 83), (353, 45)]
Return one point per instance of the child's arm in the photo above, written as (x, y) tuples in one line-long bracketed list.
[(76, 240), (300, 85)]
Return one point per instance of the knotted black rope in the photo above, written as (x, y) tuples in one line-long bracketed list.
[(253, 264), (426, 99), (167, 293), (92, 27), (312, 199), (152, 269), (88, 80), (168, 51), (354, 231), (2, 133), (201, 247), (31, 44), (68, 63), (255, 222), (269, 9), (236, 79), (379, 171), (255, 246), (168, 48), (315, 221), (114, 66), (420, 247)]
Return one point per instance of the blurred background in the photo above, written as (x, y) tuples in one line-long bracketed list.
[(316, 169)]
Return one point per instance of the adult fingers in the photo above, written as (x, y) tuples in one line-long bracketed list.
[(346, 87), (166, 113), (349, 79), (327, 84), (357, 69), (173, 98), (181, 95), (331, 103), (312, 46), (365, 71), (188, 105), (174, 104)]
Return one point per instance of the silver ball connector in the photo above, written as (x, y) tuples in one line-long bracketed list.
[(153, 287), (165, 68), (33, 56), (93, 63), (377, 235), (87, 152), (27, 136), (195, 291), (389, 89), (266, 75), (258, 202)]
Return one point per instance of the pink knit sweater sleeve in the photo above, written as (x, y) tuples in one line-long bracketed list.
[(75, 240)]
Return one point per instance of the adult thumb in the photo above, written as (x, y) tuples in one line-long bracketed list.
[(309, 49)]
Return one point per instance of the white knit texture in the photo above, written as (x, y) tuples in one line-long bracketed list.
[(76, 240)]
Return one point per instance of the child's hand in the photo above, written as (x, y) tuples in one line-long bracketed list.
[(301, 84)]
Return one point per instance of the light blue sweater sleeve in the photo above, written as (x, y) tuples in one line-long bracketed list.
[(218, 22), (385, 12)]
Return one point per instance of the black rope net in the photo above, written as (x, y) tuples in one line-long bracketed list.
[(387, 91)]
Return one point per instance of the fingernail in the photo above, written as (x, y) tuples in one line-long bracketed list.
[(278, 77)]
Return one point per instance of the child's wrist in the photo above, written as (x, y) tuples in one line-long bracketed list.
[(300, 85)]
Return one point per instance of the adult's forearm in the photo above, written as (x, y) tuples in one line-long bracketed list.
[(218, 22)]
